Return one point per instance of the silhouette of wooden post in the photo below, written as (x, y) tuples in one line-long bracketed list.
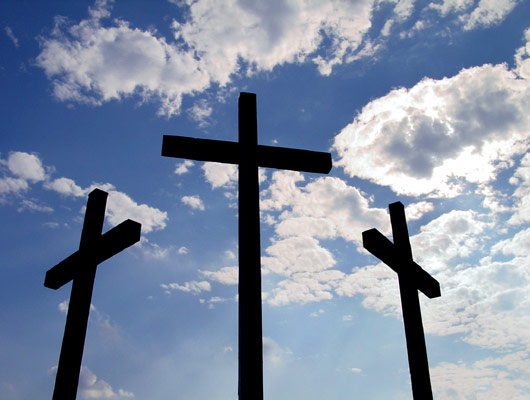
[(80, 267), (249, 155), (412, 278)]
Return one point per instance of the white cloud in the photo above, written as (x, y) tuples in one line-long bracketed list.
[(220, 175), (417, 210), (518, 245), (503, 377), (521, 178), (487, 13), (66, 186), (200, 112), (324, 208), (183, 250), (297, 254), (90, 387), (191, 287), (212, 301), (11, 35), (63, 306), (451, 6), (272, 34), (26, 166), (183, 167), (226, 275), (152, 250), (194, 202), (121, 207), (230, 255), (31, 205), (439, 134), (13, 185), (522, 57), (306, 287), (98, 60), (91, 63), (272, 352)]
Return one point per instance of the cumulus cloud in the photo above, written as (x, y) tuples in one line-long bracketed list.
[(487, 13), (20, 170), (325, 208), (27, 169), (194, 202), (26, 166), (494, 377), (297, 254), (98, 60), (91, 387), (220, 175), (226, 275), (306, 287), (183, 167), (120, 206), (12, 185), (91, 63), (440, 134), (66, 186), (272, 34)]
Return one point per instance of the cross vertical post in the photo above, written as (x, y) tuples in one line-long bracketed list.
[(249, 155), (81, 267), (250, 322), (411, 278)]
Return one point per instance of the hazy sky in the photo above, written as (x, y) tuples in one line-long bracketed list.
[(427, 103)]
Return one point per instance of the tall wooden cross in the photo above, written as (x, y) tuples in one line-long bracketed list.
[(249, 155), (80, 267), (412, 278)]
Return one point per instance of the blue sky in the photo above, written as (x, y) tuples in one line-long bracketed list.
[(422, 102)]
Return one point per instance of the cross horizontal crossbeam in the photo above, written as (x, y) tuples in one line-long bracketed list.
[(378, 244), (229, 153), (113, 242)]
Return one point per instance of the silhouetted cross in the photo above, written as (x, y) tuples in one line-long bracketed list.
[(81, 268), (249, 155), (412, 278)]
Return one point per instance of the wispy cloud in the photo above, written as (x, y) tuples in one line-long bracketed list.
[(11, 35)]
